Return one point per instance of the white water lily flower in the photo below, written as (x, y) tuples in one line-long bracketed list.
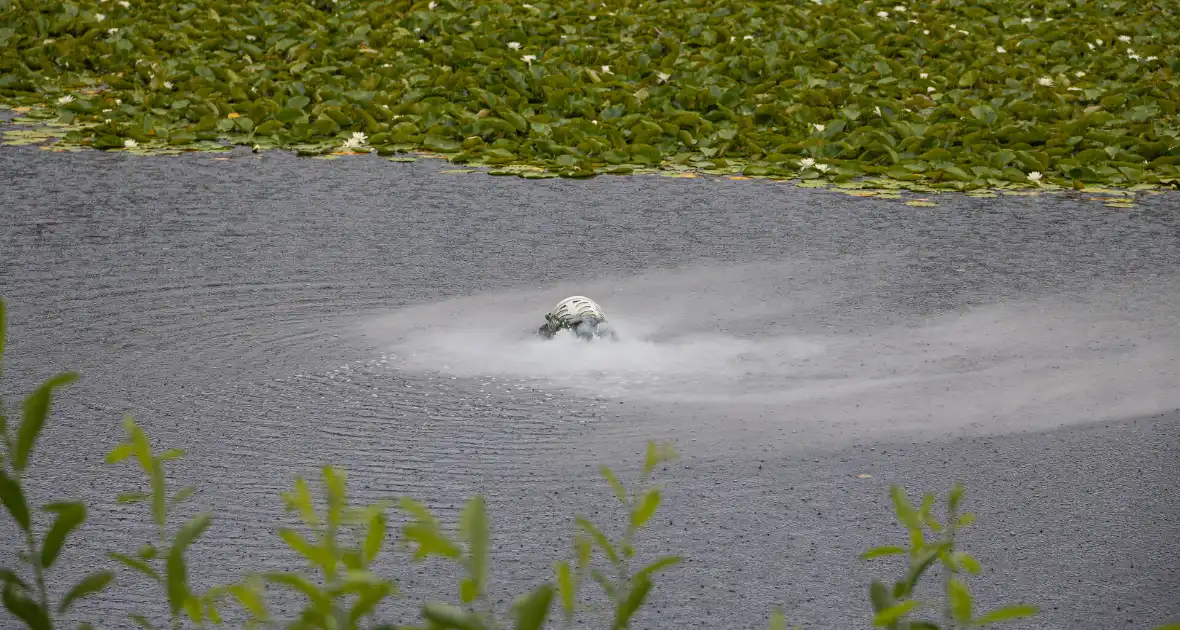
[(1079, 74), (964, 32), (107, 110), (663, 76), (125, 4), (1026, 20), (167, 85), (1045, 81), (112, 31), (899, 8), (130, 144), (732, 39), (1151, 58), (528, 58), (118, 101), (527, 6), (882, 14), (68, 98), (818, 127), (514, 45), (1000, 49), (1132, 54), (432, 5), (925, 32), (250, 38), (1090, 45), (1099, 42), (1124, 38), (806, 163), (47, 42), (1035, 176), (823, 168), (930, 89), (748, 37), (922, 75), (98, 17), (606, 70), (360, 137), (593, 122), (877, 108), (593, 17)]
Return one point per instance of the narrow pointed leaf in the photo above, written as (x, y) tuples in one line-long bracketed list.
[(9, 576), (646, 509), (24, 608), (13, 498), (879, 596), (877, 552), (142, 622), (181, 496), (778, 621), (532, 611), (599, 538), (619, 490), (69, 516), (159, 492), (89, 585), (959, 599), (175, 569), (136, 564), (448, 617), (474, 529), (634, 600), (905, 512), (1007, 613), (120, 453), (565, 587), (36, 411), (658, 565), (374, 538), (893, 613)]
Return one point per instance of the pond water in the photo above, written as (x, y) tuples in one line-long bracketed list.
[(272, 314)]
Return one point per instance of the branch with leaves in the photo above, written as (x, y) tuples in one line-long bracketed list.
[(30, 603)]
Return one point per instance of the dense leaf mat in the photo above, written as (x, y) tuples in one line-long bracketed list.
[(954, 94)]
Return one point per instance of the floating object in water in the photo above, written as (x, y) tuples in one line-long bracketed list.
[(580, 315)]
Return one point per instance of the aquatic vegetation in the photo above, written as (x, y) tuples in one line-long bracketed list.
[(953, 95)]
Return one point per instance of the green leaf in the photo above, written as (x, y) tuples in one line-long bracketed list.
[(300, 501), (959, 599), (905, 512), (646, 509), (619, 490), (69, 517), (181, 496), (374, 538), (175, 570), (136, 564), (159, 492), (1005, 614), (312, 553), (142, 622), (36, 410), (877, 552), (600, 538), (565, 587), (368, 600), (89, 585), (133, 497), (474, 529), (956, 497), (879, 596), (966, 561), (632, 603), (447, 617), (25, 609), (120, 453), (778, 621), (532, 611), (658, 565), (7, 576), (299, 583), (171, 454), (13, 498), (894, 613)]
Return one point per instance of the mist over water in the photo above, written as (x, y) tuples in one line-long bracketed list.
[(817, 346)]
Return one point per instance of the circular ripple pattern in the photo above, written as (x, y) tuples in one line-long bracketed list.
[(273, 315)]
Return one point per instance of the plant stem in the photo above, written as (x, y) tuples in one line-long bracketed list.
[(38, 571)]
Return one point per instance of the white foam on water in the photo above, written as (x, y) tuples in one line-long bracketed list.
[(734, 343)]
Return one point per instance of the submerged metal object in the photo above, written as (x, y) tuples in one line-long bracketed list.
[(581, 316)]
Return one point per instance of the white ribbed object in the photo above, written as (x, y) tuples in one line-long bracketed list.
[(576, 308)]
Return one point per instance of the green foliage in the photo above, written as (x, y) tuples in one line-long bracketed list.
[(932, 542), (30, 603), (957, 96)]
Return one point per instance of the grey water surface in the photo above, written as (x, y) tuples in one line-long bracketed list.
[(271, 315)]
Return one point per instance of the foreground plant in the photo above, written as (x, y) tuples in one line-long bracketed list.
[(31, 603), (895, 608)]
